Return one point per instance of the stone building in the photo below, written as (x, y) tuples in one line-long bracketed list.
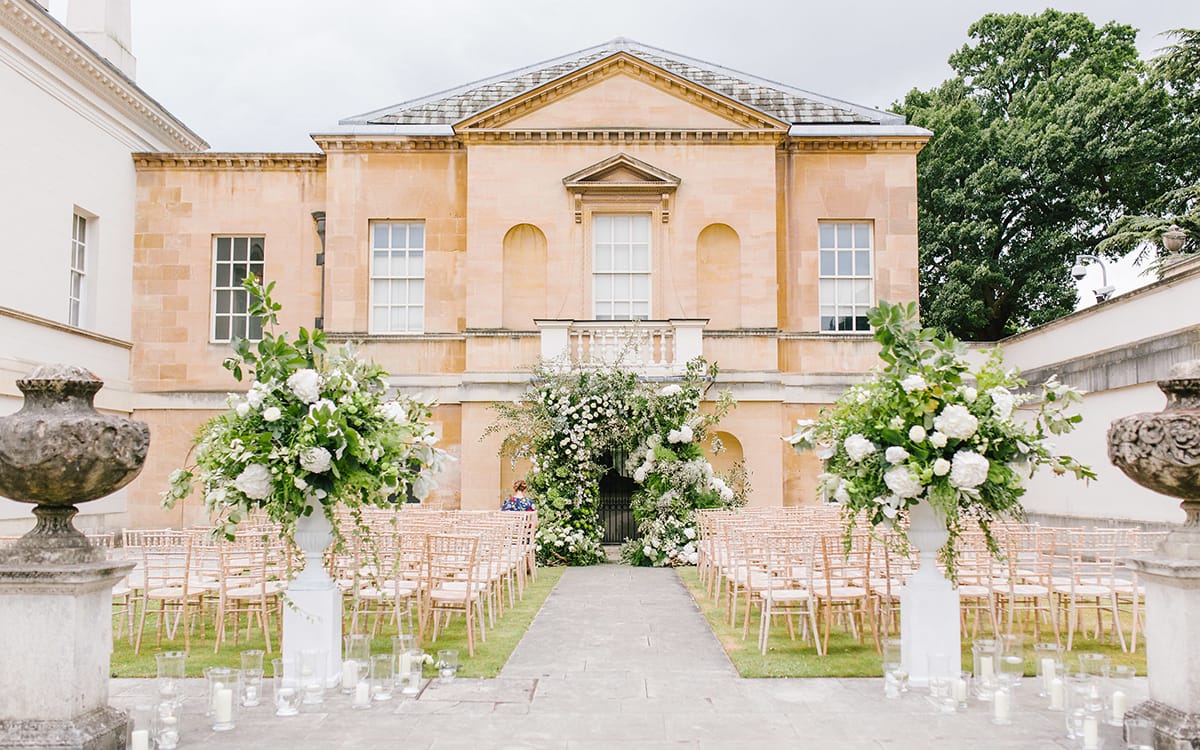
[(618, 190)]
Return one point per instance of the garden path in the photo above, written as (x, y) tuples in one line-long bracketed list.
[(621, 657)]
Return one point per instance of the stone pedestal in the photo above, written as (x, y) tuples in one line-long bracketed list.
[(928, 603), (56, 636), (312, 616), (1172, 658)]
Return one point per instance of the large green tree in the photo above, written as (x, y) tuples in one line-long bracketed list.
[(1051, 129)]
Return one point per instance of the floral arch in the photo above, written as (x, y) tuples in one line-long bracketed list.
[(572, 419)]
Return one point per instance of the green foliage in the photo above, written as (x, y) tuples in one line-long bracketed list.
[(927, 427), (1050, 130)]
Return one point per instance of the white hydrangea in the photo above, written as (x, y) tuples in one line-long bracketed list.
[(316, 460), (1002, 403), (671, 390), (913, 383), (254, 482), (956, 421), (256, 394), (895, 454), (969, 470), (394, 411), (305, 384), (941, 467), (272, 414), (858, 447), (903, 482), (916, 433)]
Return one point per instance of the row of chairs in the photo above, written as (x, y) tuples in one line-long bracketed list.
[(797, 562)]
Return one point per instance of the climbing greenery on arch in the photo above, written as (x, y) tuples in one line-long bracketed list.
[(573, 419)]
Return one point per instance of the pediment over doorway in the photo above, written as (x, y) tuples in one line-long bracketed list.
[(621, 174)]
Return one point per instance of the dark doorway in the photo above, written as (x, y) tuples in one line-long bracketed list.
[(616, 492)]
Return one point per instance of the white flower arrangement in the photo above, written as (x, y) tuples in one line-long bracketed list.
[(926, 427), (312, 430)]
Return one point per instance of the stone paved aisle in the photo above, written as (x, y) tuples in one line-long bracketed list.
[(621, 658)]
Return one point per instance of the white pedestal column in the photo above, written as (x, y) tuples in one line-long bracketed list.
[(929, 603), (56, 635), (312, 616)]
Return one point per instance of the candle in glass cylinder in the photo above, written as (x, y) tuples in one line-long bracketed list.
[(349, 675), (1058, 694), (986, 668), (1118, 706), (139, 739), (223, 705), (960, 690), (1091, 733), (1000, 707), (362, 695), (1048, 673)]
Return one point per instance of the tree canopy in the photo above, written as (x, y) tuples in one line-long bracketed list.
[(1050, 131)]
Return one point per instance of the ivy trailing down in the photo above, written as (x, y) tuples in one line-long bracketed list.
[(572, 420)]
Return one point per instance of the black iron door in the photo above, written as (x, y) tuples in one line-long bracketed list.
[(616, 492)]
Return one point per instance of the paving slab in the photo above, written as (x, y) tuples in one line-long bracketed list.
[(622, 658)]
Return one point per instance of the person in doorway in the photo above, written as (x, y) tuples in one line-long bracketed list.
[(518, 501)]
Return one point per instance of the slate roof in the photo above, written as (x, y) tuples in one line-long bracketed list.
[(783, 102)]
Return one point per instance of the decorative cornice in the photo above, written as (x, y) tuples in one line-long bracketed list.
[(328, 143), (57, 44), (621, 63), (622, 136), (230, 162), (807, 144), (8, 312)]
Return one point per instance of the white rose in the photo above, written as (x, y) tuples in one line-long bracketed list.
[(1002, 403), (858, 447), (674, 436), (895, 454), (254, 482), (256, 394), (916, 433), (394, 411), (968, 470), (315, 460), (941, 467), (272, 414), (968, 394), (686, 434), (956, 421), (306, 384), (903, 482), (639, 475), (841, 495), (647, 551), (670, 390), (913, 383), (242, 409), (937, 440)]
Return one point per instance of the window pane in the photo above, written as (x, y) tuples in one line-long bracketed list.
[(396, 320), (416, 292), (621, 287), (381, 267), (416, 235), (621, 229), (641, 287), (416, 264), (379, 235), (827, 292), (602, 288), (238, 298), (860, 323), (620, 311), (76, 285), (399, 235), (641, 258), (862, 292), (221, 330), (223, 249), (602, 228), (641, 310), (223, 302), (827, 323), (399, 292), (641, 229), (379, 292), (239, 248), (827, 235), (862, 235), (416, 319), (257, 270), (845, 263), (379, 319), (256, 250), (620, 257), (255, 327), (604, 257), (845, 292), (844, 238), (827, 263), (223, 275), (862, 262), (603, 311), (239, 327), (239, 273)]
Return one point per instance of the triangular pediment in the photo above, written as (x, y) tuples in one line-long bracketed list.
[(620, 91), (621, 172)]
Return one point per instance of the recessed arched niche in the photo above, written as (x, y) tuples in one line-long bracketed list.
[(731, 452), (719, 276), (524, 277)]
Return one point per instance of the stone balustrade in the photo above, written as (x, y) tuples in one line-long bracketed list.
[(651, 348)]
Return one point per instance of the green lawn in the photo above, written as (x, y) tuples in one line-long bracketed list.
[(487, 662), (847, 657)]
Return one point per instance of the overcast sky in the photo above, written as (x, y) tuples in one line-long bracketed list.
[(260, 75)]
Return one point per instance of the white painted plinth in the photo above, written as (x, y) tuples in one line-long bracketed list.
[(312, 615), (928, 604), (56, 635)]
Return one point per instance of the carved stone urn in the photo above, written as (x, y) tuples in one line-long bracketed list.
[(58, 451), (1161, 451)]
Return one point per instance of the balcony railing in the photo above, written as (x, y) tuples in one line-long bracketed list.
[(654, 348)]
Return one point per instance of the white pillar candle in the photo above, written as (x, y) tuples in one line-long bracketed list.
[(960, 690), (1058, 694), (1000, 706), (1091, 733), (349, 674), (1049, 672), (987, 668), (405, 663), (139, 740), (362, 694), (223, 705), (1118, 706)]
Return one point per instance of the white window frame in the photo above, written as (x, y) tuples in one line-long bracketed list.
[(77, 287), (230, 303), (846, 290), (617, 237), (397, 297)]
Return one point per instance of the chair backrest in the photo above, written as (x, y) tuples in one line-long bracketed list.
[(449, 558), (167, 565)]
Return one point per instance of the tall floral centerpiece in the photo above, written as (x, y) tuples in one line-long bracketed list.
[(929, 443), (313, 432)]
